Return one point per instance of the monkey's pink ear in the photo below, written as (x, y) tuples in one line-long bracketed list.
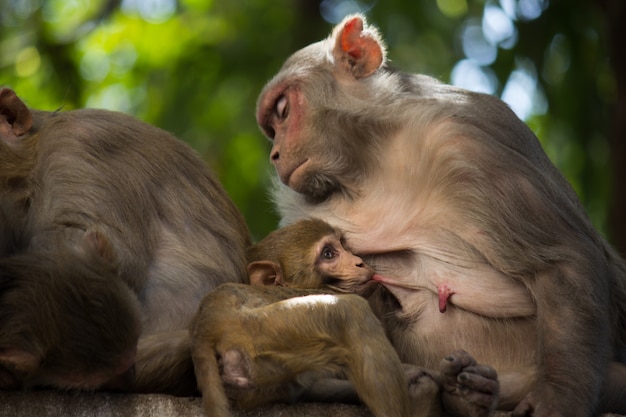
[(265, 273), (357, 51), (18, 361), (15, 118)]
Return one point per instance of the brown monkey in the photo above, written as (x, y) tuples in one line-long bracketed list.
[(67, 319), (274, 343), (449, 196), (8, 218), (172, 234), (310, 254)]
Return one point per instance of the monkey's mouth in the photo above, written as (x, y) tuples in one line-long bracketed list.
[(362, 288), (294, 177), (367, 288)]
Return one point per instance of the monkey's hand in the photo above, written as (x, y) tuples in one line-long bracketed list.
[(468, 389)]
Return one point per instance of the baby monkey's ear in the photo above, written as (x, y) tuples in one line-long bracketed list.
[(265, 273)]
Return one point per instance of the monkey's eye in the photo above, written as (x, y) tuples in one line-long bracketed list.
[(328, 252), (281, 107)]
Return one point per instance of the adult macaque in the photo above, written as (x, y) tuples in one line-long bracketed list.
[(449, 196), (112, 230), (272, 343)]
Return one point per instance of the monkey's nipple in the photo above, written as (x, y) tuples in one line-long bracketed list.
[(377, 277), (445, 293)]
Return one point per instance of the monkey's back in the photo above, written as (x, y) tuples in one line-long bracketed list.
[(169, 219)]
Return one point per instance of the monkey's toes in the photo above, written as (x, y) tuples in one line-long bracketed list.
[(468, 388), (455, 362), (479, 378)]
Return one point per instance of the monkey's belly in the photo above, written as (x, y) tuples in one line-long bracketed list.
[(493, 298), (454, 281), (504, 343)]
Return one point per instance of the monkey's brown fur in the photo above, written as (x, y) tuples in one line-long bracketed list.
[(273, 343), (282, 250), (172, 235), (448, 195)]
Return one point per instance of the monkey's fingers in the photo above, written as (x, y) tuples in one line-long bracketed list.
[(452, 364), (480, 377), (474, 386), (474, 396), (468, 388)]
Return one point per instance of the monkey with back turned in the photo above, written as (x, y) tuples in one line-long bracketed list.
[(479, 241), (111, 232), (301, 323)]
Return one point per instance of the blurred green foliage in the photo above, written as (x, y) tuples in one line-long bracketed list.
[(195, 67)]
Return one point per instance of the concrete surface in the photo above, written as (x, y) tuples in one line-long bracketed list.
[(59, 404)]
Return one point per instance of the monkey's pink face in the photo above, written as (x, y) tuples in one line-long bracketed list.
[(281, 116)]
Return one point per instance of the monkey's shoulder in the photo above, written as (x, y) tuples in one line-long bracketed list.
[(108, 134)]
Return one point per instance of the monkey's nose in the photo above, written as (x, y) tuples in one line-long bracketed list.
[(275, 156)]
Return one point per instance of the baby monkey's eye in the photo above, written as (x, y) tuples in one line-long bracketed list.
[(328, 252)]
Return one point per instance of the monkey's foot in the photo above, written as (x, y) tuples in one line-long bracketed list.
[(468, 389), (424, 391)]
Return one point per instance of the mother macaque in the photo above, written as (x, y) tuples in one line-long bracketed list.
[(111, 231), (449, 196)]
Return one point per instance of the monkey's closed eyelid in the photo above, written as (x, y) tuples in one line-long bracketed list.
[(281, 106)]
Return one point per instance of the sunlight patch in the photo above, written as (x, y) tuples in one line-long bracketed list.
[(310, 300)]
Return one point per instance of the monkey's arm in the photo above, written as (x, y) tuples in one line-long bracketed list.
[(559, 258)]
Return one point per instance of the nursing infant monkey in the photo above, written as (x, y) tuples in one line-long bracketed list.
[(480, 242), (298, 326)]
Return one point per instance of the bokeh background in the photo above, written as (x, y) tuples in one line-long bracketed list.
[(195, 68)]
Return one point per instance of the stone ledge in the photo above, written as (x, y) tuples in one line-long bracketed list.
[(59, 404)]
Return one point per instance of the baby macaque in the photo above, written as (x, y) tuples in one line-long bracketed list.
[(298, 328)]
